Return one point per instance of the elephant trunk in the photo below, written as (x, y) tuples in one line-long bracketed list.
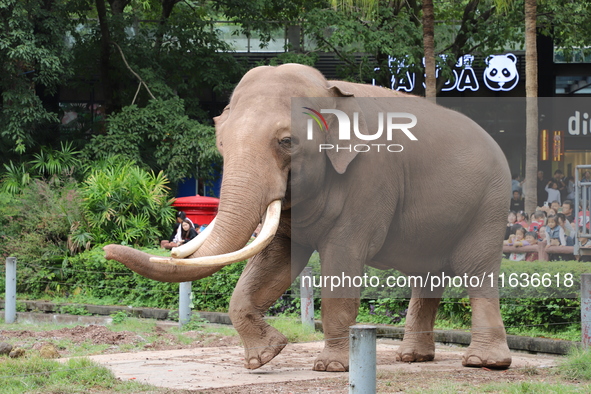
[(240, 211)]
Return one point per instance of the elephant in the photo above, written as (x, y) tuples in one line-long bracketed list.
[(435, 204)]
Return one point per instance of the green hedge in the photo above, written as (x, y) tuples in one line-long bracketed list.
[(89, 276), (522, 304)]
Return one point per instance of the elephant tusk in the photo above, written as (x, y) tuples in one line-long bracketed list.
[(191, 247), (270, 225)]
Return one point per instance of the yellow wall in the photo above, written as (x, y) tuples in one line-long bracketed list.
[(571, 160)]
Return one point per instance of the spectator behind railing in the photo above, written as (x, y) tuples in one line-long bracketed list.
[(517, 203), (567, 209), (569, 232), (538, 220), (531, 239), (522, 219), (511, 221), (554, 233)]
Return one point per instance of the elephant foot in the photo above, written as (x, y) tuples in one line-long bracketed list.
[(416, 352), (494, 356), (332, 360), (259, 352)]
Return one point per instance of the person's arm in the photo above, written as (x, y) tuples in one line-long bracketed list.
[(174, 231), (178, 239), (561, 237), (569, 228)]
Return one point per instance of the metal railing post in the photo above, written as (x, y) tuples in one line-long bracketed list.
[(586, 309), (307, 298), (362, 359), (184, 303), (10, 299)]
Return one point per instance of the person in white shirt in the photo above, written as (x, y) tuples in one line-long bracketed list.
[(553, 192)]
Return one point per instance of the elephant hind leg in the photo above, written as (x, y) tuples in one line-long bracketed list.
[(488, 347), (418, 343)]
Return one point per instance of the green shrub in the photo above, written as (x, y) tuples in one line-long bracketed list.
[(89, 275), (126, 204), (37, 227), (119, 317), (46, 164)]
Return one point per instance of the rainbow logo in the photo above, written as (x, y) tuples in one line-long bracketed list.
[(318, 118)]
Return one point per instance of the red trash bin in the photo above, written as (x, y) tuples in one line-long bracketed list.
[(201, 210)]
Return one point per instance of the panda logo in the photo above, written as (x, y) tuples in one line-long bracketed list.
[(501, 72)]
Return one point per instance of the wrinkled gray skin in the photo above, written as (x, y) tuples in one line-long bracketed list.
[(438, 206)]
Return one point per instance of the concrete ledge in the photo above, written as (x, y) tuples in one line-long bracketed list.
[(446, 337)]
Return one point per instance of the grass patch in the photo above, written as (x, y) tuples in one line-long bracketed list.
[(293, 329), (530, 387), (37, 375), (577, 366), (571, 333)]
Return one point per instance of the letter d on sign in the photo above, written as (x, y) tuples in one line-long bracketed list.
[(574, 124)]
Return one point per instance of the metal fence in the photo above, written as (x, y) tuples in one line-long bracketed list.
[(582, 207)]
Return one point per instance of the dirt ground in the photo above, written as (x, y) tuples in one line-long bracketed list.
[(213, 363)]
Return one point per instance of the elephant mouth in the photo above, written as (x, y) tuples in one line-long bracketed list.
[(286, 200)]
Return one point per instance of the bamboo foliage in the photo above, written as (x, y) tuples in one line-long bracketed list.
[(367, 7), (126, 204)]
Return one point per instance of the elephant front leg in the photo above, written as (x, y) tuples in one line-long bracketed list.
[(265, 278), (418, 343), (338, 314)]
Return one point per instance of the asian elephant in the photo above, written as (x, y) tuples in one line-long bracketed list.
[(432, 205)]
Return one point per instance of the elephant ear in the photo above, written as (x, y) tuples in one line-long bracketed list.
[(346, 102)]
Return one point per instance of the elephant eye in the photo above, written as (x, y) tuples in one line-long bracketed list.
[(286, 142)]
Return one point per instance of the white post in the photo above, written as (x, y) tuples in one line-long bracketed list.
[(362, 359), (307, 298), (10, 299), (184, 303)]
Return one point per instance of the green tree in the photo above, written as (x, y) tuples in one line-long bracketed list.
[(395, 29), (159, 136), (33, 63)]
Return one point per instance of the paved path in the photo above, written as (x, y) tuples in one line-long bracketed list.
[(203, 368)]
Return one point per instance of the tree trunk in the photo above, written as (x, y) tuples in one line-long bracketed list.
[(167, 7), (429, 48), (105, 56), (531, 93)]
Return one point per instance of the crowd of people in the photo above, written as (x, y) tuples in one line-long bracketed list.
[(553, 222)]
